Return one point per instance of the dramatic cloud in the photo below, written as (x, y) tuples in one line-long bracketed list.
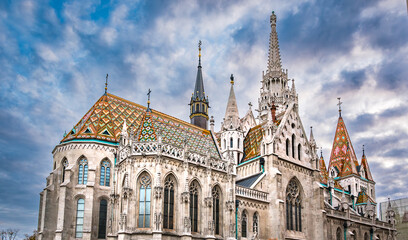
[(54, 57)]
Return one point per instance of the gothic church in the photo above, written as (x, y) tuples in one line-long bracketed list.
[(126, 171)]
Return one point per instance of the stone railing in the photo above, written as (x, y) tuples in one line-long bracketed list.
[(251, 193), (155, 148)]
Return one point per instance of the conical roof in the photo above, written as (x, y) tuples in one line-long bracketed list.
[(364, 165), (199, 93), (342, 155), (324, 174)]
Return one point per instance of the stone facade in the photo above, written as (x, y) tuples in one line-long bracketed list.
[(129, 172)]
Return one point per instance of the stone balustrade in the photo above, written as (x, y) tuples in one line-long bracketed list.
[(251, 193)]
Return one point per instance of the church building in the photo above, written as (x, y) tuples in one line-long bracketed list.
[(127, 171)]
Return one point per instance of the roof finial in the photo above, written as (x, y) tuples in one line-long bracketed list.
[(106, 84), (232, 79), (321, 152), (339, 104), (199, 52), (148, 100), (363, 150)]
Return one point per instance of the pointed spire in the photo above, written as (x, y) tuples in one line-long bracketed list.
[(342, 155), (274, 59), (199, 85), (364, 165), (293, 86), (231, 113), (324, 174), (311, 139)]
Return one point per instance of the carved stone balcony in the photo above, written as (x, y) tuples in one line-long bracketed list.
[(251, 193)]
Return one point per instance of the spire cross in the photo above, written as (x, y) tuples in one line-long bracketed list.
[(339, 104), (321, 151), (199, 52), (106, 83), (148, 98), (363, 150), (232, 79)]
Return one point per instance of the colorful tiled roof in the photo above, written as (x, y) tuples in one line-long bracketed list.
[(363, 198), (364, 165), (105, 119), (324, 174), (252, 142), (146, 131), (342, 155)]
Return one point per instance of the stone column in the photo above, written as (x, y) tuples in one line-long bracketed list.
[(185, 203), (89, 202), (158, 190), (61, 204)]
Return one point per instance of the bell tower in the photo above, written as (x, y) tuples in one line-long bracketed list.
[(199, 102)]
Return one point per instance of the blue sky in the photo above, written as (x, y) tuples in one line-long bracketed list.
[(54, 56)]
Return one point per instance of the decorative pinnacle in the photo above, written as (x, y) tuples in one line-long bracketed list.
[(339, 104), (232, 79), (106, 84), (363, 150), (273, 18), (321, 152), (148, 99)]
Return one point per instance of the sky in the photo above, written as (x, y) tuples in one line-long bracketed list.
[(54, 57)]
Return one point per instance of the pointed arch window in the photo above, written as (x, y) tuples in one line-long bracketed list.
[(216, 209), (244, 224), (299, 150), (103, 210), (338, 234), (293, 145), (168, 200), (293, 207), (287, 147), (64, 168), (256, 224), (231, 143), (145, 191), (194, 206), (105, 173), (83, 171), (80, 218)]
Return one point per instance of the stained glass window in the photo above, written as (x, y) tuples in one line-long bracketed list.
[(103, 209), (83, 171), (168, 200), (194, 206), (293, 207), (244, 225), (145, 191), (216, 209), (105, 173), (79, 225)]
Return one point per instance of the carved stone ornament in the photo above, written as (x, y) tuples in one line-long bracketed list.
[(158, 192), (122, 221), (185, 197), (124, 154), (230, 205), (158, 221), (127, 192), (211, 228), (208, 201), (187, 225), (114, 197)]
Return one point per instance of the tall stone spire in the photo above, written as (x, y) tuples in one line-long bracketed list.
[(231, 113), (274, 59), (199, 102)]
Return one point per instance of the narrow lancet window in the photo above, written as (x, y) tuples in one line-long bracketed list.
[(83, 171), (145, 191), (105, 173), (194, 206), (168, 201), (80, 218)]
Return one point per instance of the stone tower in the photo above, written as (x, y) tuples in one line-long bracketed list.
[(232, 135), (275, 82), (199, 102)]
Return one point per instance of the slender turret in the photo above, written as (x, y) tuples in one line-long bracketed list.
[(199, 102)]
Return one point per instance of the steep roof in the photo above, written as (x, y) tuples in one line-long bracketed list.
[(199, 93), (364, 165), (247, 182), (342, 155), (105, 119), (363, 198), (252, 142), (324, 174)]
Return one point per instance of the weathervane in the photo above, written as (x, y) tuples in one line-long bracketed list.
[(339, 104), (106, 84), (148, 98)]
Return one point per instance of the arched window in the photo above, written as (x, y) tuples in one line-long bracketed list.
[(256, 224), (83, 171), (293, 145), (338, 234), (168, 200), (293, 207), (231, 143), (244, 224), (299, 150), (80, 218), (194, 188), (238, 143), (287, 147), (225, 144), (145, 191), (64, 167), (216, 209), (105, 173), (103, 209), (366, 236), (354, 237)]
